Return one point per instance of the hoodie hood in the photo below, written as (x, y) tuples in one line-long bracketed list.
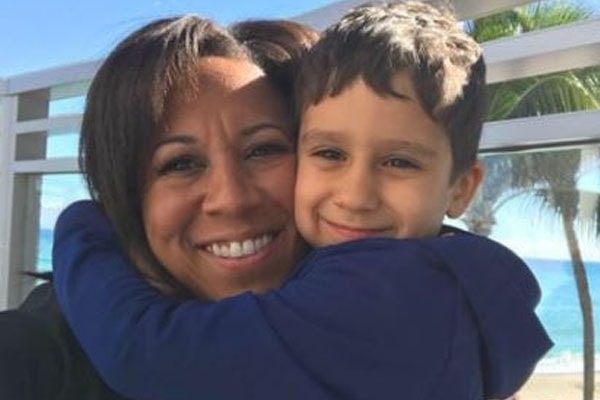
[(503, 294)]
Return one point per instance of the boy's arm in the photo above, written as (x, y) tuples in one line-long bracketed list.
[(503, 294), (334, 331), (346, 326), (147, 345)]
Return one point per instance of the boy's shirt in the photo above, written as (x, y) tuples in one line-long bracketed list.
[(450, 317)]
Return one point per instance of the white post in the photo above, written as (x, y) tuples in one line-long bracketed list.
[(7, 145)]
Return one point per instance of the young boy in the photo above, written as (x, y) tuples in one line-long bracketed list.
[(391, 106)]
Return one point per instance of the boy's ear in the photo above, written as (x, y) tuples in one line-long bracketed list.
[(463, 190)]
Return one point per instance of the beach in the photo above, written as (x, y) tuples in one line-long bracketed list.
[(556, 386)]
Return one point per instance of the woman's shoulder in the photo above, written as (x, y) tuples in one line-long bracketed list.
[(40, 358), (31, 325), (31, 363)]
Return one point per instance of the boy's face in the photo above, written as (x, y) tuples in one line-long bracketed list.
[(375, 166)]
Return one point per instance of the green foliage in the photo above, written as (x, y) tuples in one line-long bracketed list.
[(568, 91), (535, 16), (546, 94)]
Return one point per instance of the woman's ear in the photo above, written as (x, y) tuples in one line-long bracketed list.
[(463, 190)]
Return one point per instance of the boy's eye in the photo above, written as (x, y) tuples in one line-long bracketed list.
[(181, 164), (268, 149), (401, 163), (329, 154)]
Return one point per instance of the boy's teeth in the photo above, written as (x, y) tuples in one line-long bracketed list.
[(239, 249)]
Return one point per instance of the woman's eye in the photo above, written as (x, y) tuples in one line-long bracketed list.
[(329, 154), (400, 163), (268, 149), (180, 164)]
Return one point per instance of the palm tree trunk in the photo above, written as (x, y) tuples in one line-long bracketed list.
[(585, 303)]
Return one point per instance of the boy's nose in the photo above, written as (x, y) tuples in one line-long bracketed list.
[(357, 191)]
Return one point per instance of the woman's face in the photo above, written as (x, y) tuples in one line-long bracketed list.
[(218, 201)]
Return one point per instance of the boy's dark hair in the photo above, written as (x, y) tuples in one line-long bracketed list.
[(126, 110), (374, 42)]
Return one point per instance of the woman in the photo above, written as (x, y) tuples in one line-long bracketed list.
[(182, 58), (39, 357)]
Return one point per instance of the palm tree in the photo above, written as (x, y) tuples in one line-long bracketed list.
[(529, 18), (550, 179), (553, 181)]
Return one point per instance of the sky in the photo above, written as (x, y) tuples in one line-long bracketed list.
[(38, 34)]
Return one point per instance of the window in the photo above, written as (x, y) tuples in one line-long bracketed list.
[(57, 192), (529, 202)]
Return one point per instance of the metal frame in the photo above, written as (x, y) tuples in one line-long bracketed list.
[(541, 52), (51, 77), (577, 127)]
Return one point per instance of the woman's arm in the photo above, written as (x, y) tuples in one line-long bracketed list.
[(346, 326)]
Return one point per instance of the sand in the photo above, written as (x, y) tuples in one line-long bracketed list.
[(556, 387)]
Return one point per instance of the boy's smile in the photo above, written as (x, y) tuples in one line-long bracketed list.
[(353, 232), (370, 165)]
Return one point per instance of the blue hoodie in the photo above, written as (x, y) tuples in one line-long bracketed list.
[(444, 318)]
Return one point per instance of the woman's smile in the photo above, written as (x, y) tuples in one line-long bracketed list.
[(240, 249), (244, 256)]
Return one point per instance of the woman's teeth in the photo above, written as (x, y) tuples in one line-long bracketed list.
[(239, 249)]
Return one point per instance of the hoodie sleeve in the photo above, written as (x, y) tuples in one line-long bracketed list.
[(149, 346), (503, 294), (374, 319)]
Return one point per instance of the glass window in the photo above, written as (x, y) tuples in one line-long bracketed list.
[(68, 98), (531, 17), (57, 192), (69, 105), (62, 144), (560, 92), (545, 206), (47, 145)]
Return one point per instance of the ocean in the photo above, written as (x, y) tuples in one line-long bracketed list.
[(558, 310)]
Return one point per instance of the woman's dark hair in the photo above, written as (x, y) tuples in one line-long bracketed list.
[(127, 105), (125, 111), (277, 46)]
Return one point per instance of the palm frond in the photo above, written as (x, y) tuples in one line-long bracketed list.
[(538, 15), (546, 94), (494, 26)]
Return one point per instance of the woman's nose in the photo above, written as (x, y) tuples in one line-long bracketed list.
[(230, 190)]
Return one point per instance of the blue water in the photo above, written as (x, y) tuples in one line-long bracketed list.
[(44, 259), (558, 310)]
